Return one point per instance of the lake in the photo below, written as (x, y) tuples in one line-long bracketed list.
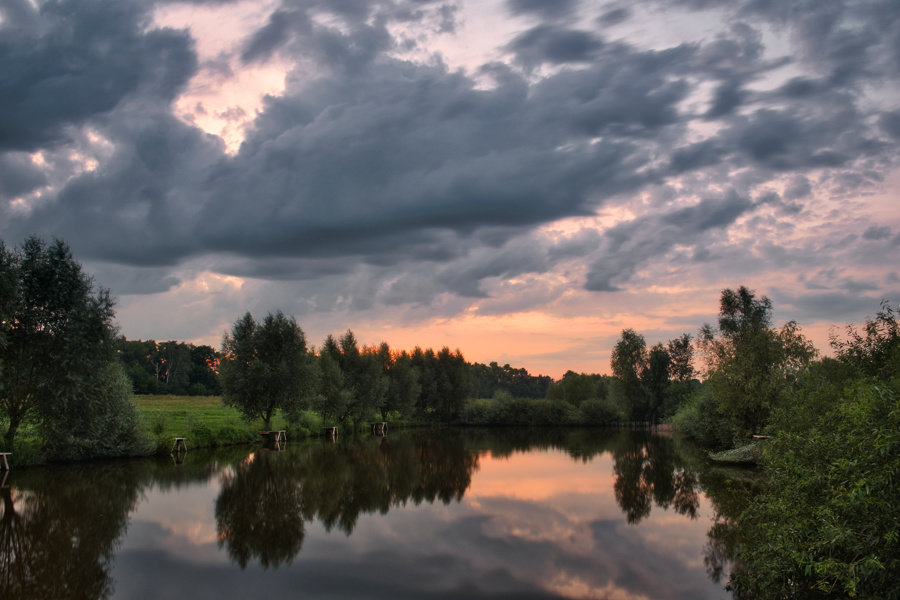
[(444, 513)]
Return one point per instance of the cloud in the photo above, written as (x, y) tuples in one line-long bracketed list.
[(546, 9), (396, 168), (634, 243), (77, 61), (554, 45), (876, 232)]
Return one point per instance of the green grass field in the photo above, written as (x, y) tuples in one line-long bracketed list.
[(203, 420)]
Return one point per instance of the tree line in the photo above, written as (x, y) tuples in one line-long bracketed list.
[(170, 367)]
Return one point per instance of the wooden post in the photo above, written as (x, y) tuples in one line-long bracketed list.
[(5, 464)]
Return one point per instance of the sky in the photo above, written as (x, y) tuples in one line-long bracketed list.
[(518, 179)]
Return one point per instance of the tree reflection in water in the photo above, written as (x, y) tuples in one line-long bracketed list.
[(648, 470), (265, 499), (60, 526), (258, 511)]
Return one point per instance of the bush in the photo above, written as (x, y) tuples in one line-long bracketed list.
[(229, 435), (97, 421), (599, 412), (477, 412), (829, 521), (201, 434), (699, 419)]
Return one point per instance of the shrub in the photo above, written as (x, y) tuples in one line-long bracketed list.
[(828, 523), (599, 412), (201, 434), (699, 418)]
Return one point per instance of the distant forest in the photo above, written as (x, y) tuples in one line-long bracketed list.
[(181, 368)]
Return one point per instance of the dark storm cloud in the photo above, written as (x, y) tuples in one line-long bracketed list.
[(890, 123), (876, 232), (614, 16), (290, 28), (140, 209), (77, 60), (554, 45), (369, 164), (19, 175), (546, 9)]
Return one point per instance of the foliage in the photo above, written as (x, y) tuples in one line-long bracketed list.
[(366, 384), (403, 382), (874, 351), (681, 358), (699, 418), (651, 384), (332, 398), (750, 365), (170, 367), (265, 367), (99, 421), (503, 410), (578, 388), (56, 351), (629, 362), (829, 521), (491, 378), (444, 382), (599, 411)]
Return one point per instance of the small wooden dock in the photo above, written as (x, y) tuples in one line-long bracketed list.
[(379, 428), (330, 432), (3, 455), (180, 444)]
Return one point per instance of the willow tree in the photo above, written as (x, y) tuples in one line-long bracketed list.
[(58, 366), (750, 364), (265, 367)]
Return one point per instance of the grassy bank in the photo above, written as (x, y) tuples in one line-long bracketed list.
[(206, 422)]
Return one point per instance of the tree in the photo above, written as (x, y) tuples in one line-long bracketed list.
[(655, 381), (629, 361), (874, 351), (403, 382), (681, 358), (333, 397), (265, 367), (175, 366), (454, 384), (56, 351), (204, 366), (827, 524), (750, 364)]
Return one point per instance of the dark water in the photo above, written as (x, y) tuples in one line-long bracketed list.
[(421, 514)]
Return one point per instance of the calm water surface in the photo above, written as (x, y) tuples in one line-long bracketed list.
[(421, 514)]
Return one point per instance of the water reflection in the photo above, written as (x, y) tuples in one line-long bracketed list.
[(265, 498), (537, 513), (259, 511), (59, 529)]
